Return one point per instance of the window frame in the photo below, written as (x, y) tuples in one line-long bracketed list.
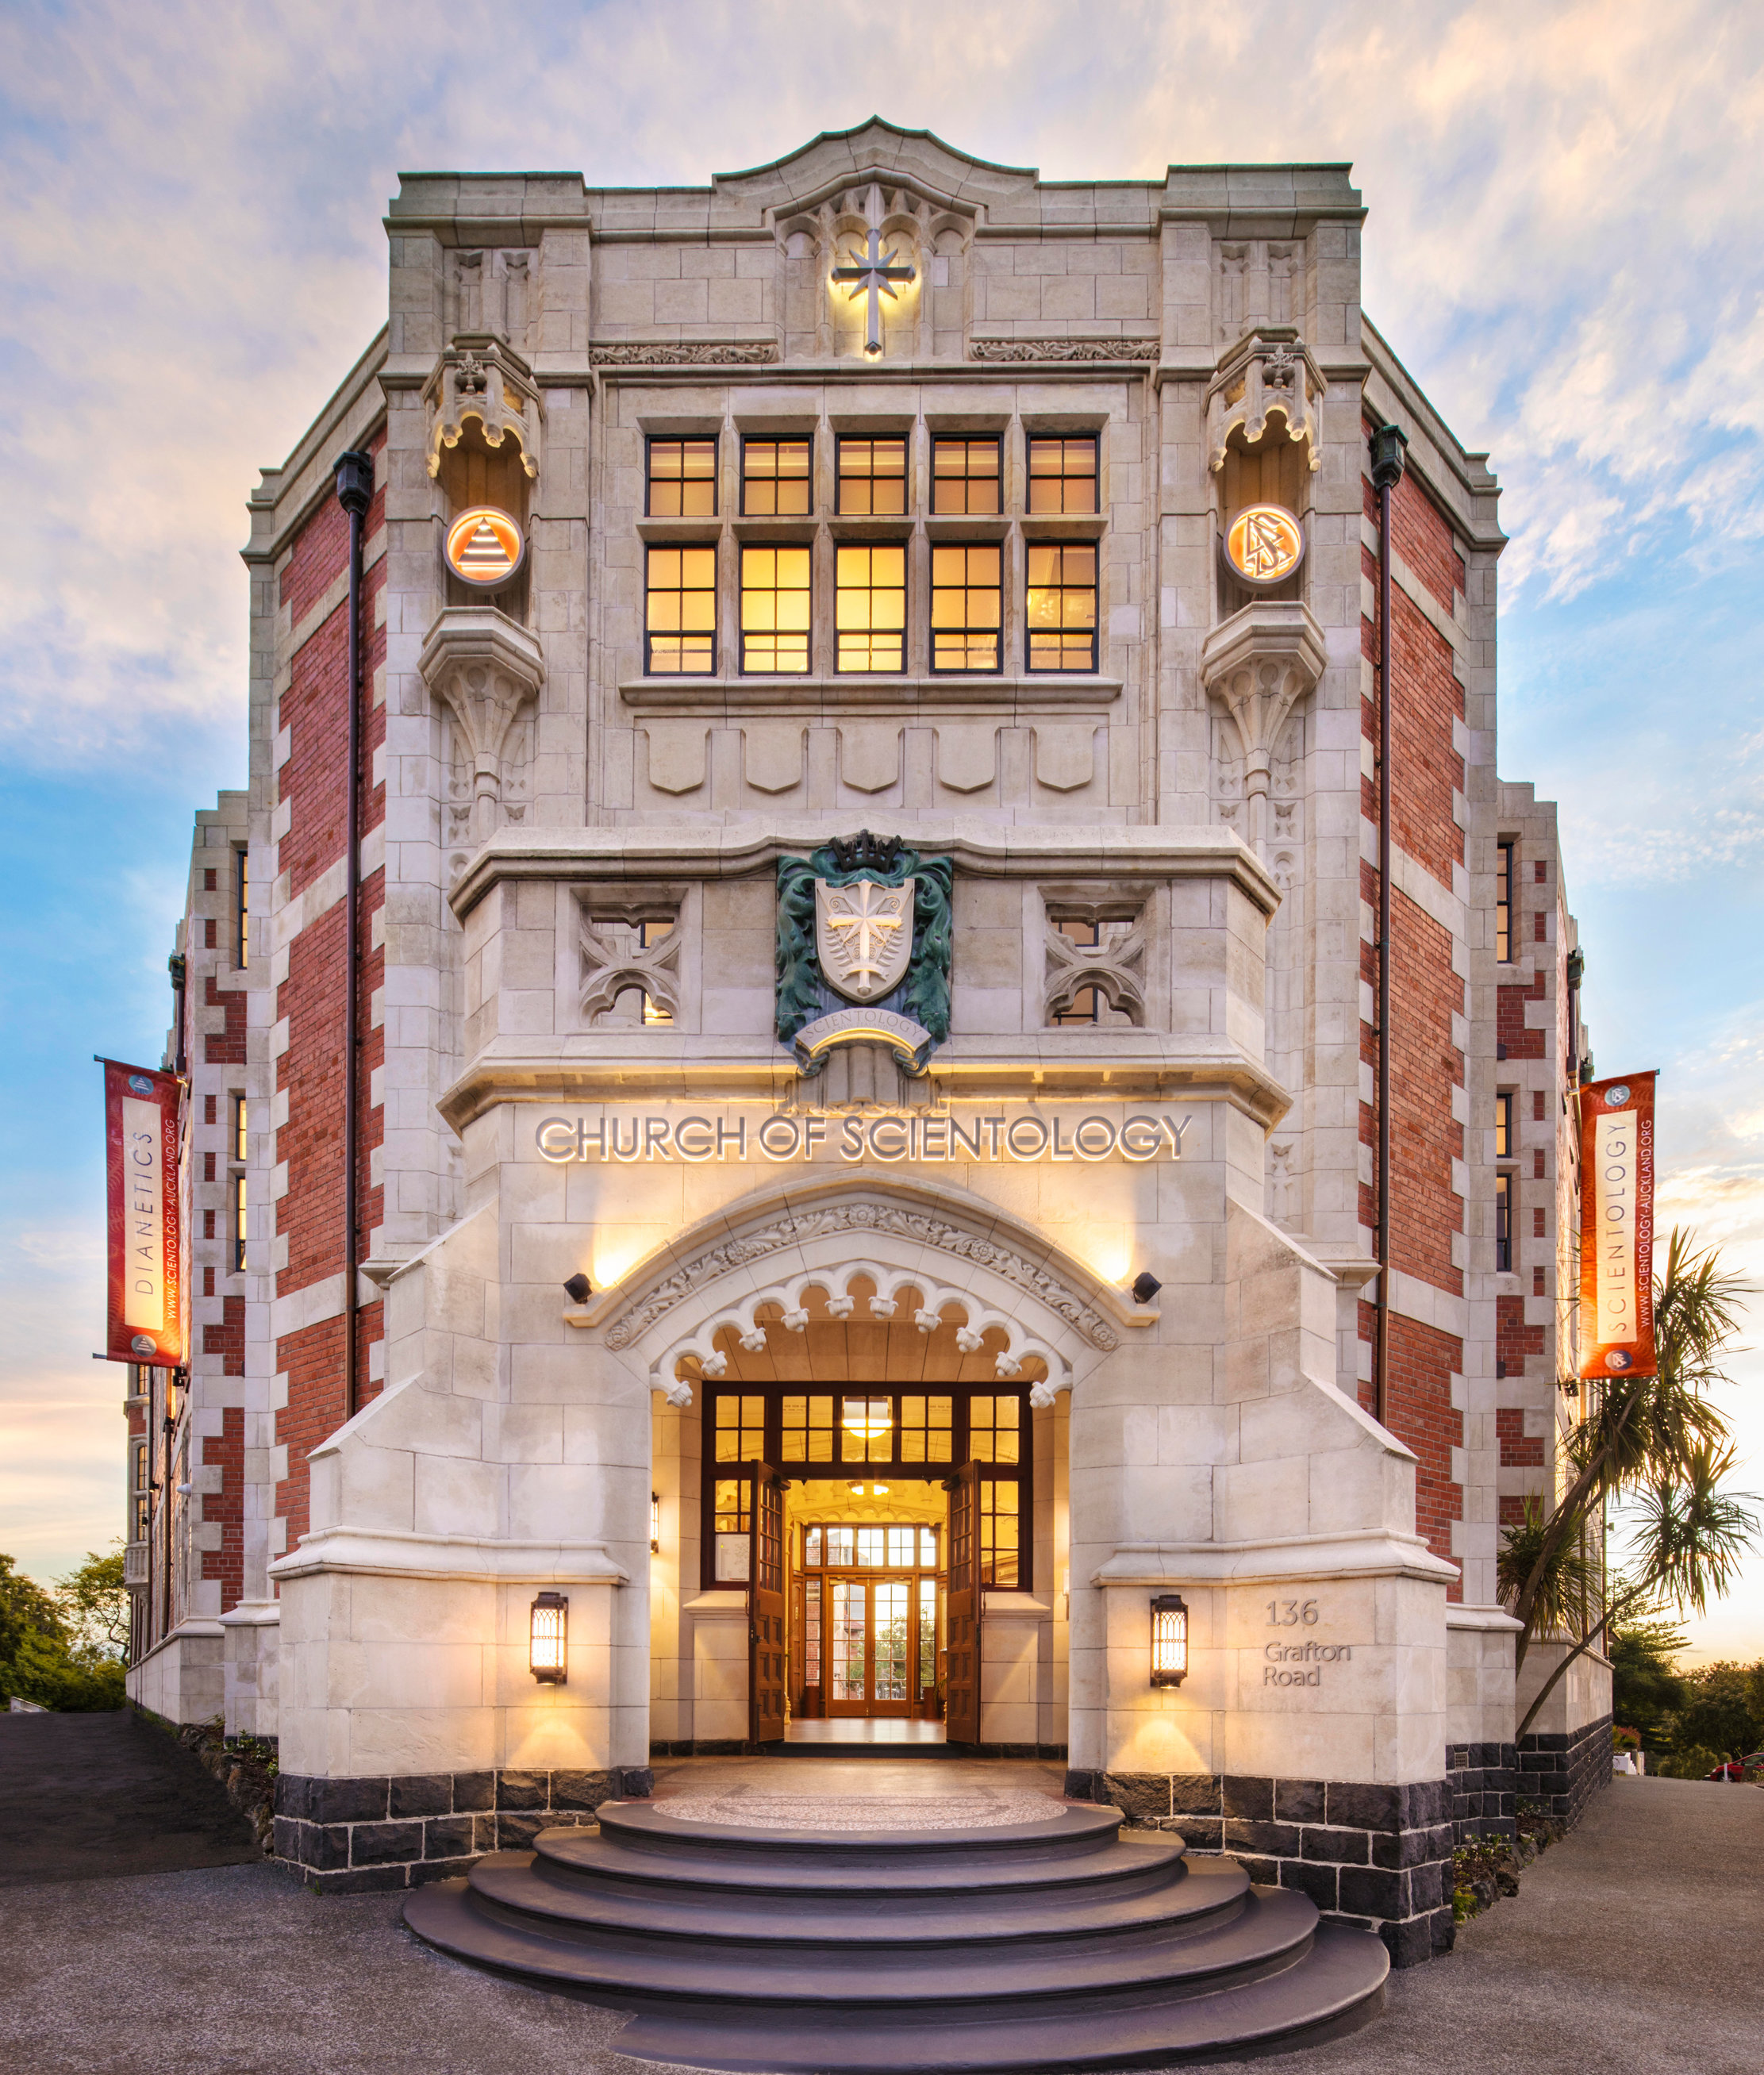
[(651, 548), (776, 440), (772, 669), (993, 668), (1094, 441), (996, 441), (840, 441), (770, 1433), (242, 905), (1062, 669), (1504, 850), (1506, 1146), (652, 440), (1505, 1203), (871, 547)]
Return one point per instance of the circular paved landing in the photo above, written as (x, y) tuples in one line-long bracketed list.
[(760, 1810)]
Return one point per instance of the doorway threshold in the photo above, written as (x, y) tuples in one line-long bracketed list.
[(857, 1737)]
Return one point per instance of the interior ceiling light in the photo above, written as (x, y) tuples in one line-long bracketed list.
[(868, 1491), (871, 1417)]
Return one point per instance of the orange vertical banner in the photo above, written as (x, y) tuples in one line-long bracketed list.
[(146, 1312), (1617, 1227)]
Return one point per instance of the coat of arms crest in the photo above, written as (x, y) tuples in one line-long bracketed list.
[(865, 922), (863, 936)]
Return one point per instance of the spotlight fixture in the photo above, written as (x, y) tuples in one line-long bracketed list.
[(579, 1289), (1146, 1287)]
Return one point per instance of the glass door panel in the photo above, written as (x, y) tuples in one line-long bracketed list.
[(891, 1640), (847, 1641)]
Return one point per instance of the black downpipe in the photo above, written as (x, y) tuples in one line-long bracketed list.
[(354, 492), (1388, 443)]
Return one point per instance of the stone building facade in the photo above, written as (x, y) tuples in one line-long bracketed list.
[(878, 489)]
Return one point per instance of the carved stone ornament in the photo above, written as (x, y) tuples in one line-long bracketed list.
[(899, 951), (482, 378), (696, 353), (615, 960), (1268, 374), (1115, 967), (1259, 664), (979, 1326), (1064, 349), (486, 669), (791, 1229)]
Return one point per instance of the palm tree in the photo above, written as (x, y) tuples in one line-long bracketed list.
[(1657, 1441)]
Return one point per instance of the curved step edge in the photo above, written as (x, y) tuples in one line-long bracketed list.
[(588, 1854), (1195, 1893), (1335, 1990), (1274, 1934)]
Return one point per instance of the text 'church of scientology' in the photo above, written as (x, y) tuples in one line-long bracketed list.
[(875, 1044)]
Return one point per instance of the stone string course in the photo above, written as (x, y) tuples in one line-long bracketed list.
[(355, 1836), (1377, 1856)]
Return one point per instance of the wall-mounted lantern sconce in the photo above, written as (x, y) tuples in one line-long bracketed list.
[(655, 1522), (579, 1289), (548, 1650), (1170, 1640), (1146, 1287)]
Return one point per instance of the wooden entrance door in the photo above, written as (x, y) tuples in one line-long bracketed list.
[(962, 1672), (767, 1659)]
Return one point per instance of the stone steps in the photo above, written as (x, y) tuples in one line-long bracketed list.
[(1051, 1944)]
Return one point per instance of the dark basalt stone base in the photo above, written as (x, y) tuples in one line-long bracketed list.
[(1376, 1857), (1057, 1944), (353, 1837), (1559, 1775)]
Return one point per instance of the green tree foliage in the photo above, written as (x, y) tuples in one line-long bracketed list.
[(1647, 1691), (1658, 1445), (46, 1654), (94, 1604), (1724, 1708), (26, 1610)]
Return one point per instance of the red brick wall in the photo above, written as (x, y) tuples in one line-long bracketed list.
[(1424, 1417), (1426, 1065), (227, 1506), (226, 1047), (227, 1339), (1513, 1338), (1509, 1028), (1421, 536), (319, 557), (1426, 768), (1519, 1450), (314, 785)]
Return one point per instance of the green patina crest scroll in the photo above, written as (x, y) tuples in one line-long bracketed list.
[(803, 992)]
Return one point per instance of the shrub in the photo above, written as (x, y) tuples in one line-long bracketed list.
[(1695, 1762)]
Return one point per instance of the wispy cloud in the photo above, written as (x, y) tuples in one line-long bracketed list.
[(191, 253)]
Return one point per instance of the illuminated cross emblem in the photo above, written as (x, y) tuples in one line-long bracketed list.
[(873, 272), (870, 928), (863, 936)]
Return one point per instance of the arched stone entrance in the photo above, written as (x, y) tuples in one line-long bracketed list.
[(767, 1334)]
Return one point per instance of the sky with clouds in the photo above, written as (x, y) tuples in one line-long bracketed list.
[(1565, 246)]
